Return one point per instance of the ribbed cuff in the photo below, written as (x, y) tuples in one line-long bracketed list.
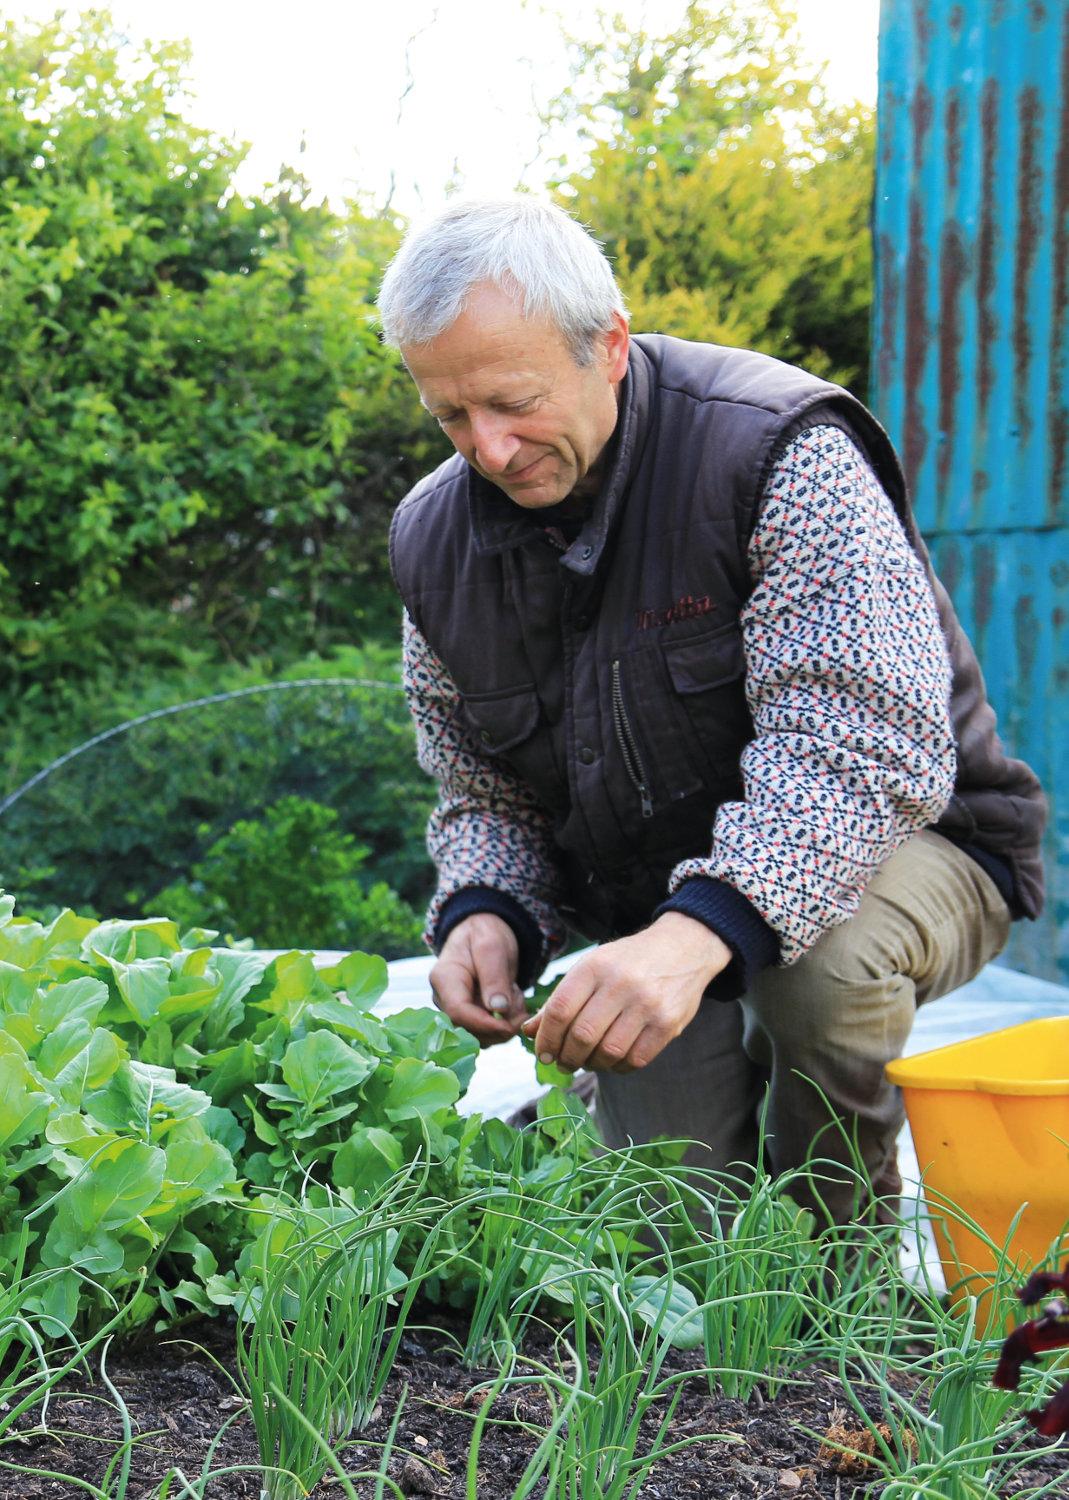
[(477, 898), (728, 913)]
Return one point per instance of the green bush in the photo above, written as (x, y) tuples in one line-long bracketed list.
[(134, 814), (290, 880), (200, 415)]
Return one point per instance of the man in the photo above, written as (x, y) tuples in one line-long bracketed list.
[(681, 670)]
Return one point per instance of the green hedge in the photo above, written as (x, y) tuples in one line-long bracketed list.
[(201, 417)]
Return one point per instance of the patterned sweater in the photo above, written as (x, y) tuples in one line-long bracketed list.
[(848, 682)]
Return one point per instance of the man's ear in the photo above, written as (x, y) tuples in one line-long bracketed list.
[(616, 345)]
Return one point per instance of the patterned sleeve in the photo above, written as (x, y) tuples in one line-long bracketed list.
[(488, 830), (848, 682)]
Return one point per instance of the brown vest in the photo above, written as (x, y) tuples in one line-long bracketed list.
[(611, 677)]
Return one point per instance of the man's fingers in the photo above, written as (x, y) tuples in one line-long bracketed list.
[(611, 1055), (474, 979), (453, 990), (582, 1042), (574, 1019), (551, 1022), (494, 969), (485, 1027), (592, 1025), (518, 1007), (494, 985)]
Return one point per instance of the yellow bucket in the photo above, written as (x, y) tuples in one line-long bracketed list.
[(990, 1122)]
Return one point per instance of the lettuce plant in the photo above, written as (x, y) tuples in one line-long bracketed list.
[(158, 1093), (150, 1082)]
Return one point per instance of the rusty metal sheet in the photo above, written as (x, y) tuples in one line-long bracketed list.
[(971, 355), (972, 245), (1011, 592)]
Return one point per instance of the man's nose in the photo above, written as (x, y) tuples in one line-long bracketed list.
[(494, 443)]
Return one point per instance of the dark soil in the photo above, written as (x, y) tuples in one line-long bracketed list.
[(179, 1393)]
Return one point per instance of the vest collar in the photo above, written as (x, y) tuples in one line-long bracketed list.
[(498, 524)]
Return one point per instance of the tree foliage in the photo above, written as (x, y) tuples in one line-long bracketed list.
[(198, 414), (731, 194)]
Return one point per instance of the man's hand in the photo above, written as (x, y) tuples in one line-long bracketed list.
[(619, 1008), (474, 980)]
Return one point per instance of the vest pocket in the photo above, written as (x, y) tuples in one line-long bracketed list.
[(509, 725), (708, 673), (503, 719)]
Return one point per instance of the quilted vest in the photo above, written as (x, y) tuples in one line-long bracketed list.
[(610, 676)]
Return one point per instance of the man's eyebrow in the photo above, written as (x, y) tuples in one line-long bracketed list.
[(499, 398)]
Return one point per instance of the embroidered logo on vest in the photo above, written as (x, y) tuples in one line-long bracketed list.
[(687, 608)]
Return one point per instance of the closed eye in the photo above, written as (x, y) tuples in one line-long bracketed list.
[(451, 418)]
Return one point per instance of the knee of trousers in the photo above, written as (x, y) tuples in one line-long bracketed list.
[(823, 1030), (840, 1013)]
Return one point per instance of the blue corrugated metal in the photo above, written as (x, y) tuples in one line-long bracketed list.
[(971, 353), (1011, 590)]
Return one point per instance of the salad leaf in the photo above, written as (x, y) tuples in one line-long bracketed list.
[(322, 1065), (419, 1089)]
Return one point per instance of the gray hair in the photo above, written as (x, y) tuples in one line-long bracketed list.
[(557, 266)]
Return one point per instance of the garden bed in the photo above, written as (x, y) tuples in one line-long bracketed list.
[(238, 1144), (179, 1391)]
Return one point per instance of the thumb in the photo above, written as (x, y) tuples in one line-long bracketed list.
[(496, 982)]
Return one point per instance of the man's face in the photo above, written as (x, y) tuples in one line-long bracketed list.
[(511, 399)]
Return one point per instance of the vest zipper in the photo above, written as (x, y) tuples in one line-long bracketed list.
[(628, 744)]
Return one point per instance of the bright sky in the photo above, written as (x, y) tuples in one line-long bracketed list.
[(336, 72)]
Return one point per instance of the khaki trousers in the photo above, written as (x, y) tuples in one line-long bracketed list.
[(928, 921)]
